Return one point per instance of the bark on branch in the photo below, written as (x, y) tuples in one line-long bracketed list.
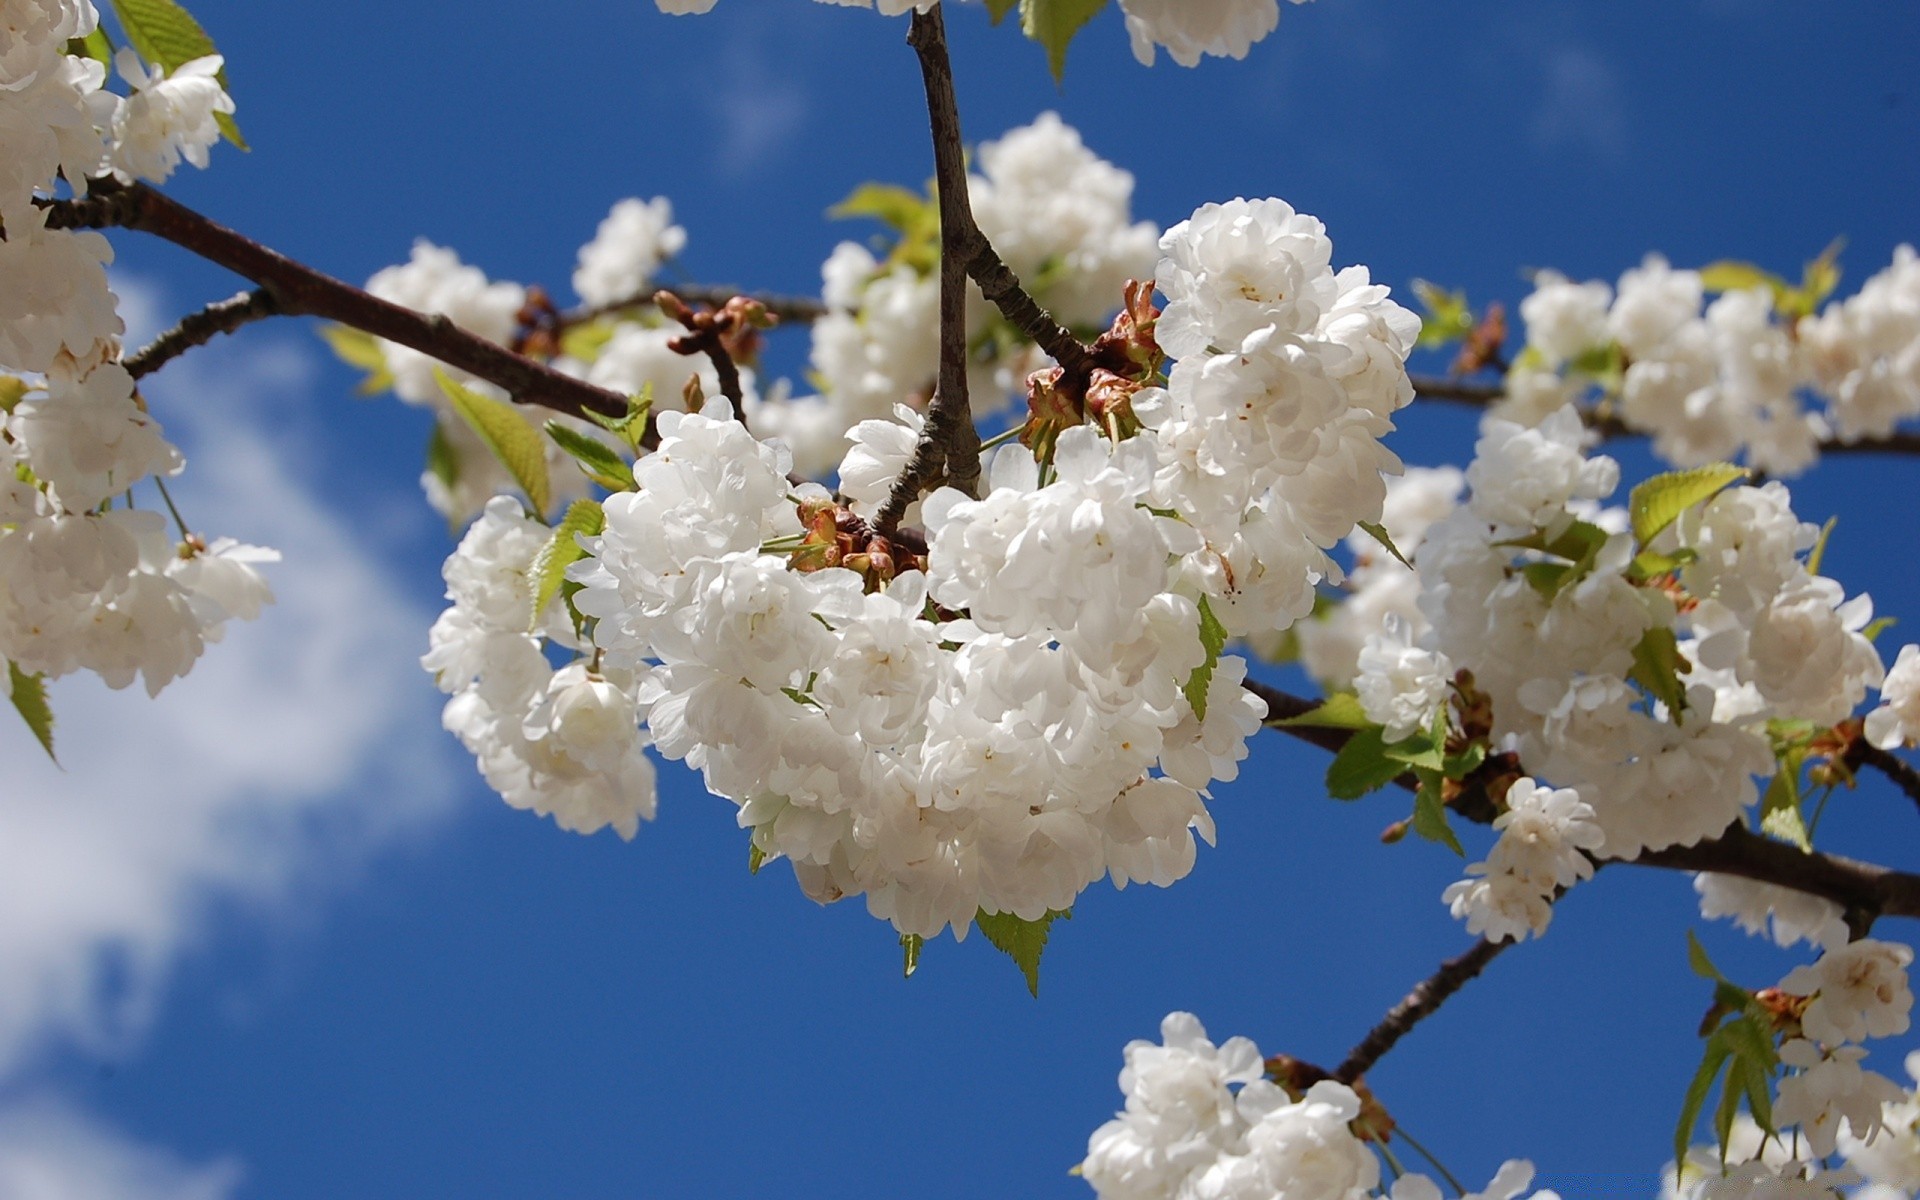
[(1419, 1004), (199, 328), (298, 290)]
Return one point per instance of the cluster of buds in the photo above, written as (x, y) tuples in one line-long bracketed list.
[(1120, 362), (836, 537)]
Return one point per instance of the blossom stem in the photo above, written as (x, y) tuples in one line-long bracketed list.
[(186, 534), (1400, 1131)]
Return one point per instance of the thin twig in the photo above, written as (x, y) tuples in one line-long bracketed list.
[(199, 328), (794, 310), (299, 290), (1903, 773), (707, 333), (1853, 885), (1419, 1004)]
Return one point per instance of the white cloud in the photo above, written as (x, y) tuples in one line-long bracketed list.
[(295, 748), (1582, 105), (760, 110), (49, 1151)]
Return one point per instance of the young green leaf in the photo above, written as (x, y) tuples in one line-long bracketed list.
[(165, 33), (1362, 766), (1053, 23), (1658, 502), (359, 349), (757, 858), (1378, 533), (1430, 814), (898, 208), (631, 428), (1698, 1089), (1213, 638), (998, 9), (1728, 275), (510, 436), (1657, 667), (30, 701), (96, 46), (549, 570), (12, 390), (1780, 814), (910, 944), (595, 457), (443, 461), (1447, 318), (1339, 711), (1819, 550), (1022, 941)]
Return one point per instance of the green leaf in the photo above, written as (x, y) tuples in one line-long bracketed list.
[(443, 461), (1695, 1102), (1430, 814), (30, 701), (1023, 941), (1603, 364), (1378, 533), (359, 349), (1657, 667), (890, 204), (1422, 750), (1780, 814), (1053, 23), (1875, 628), (596, 458), (1362, 766), (549, 570), (910, 944), (585, 342), (999, 9), (632, 427), (757, 858), (1819, 551), (1465, 763), (1339, 711), (1651, 564), (1728, 275), (12, 389), (1447, 319), (1213, 638), (510, 436), (96, 46), (1698, 960), (1658, 502), (165, 33)]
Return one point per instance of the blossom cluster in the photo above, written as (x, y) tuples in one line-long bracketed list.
[(1203, 1122), (1754, 373), (1028, 694), (87, 581), (1186, 29), (1060, 217)]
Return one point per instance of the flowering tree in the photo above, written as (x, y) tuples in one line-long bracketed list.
[(965, 631)]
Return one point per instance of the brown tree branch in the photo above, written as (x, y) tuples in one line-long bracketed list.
[(1417, 1006), (1860, 887), (1903, 774), (949, 446), (199, 328), (1484, 395), (298, 290)]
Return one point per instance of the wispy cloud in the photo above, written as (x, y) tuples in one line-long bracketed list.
[(1582, 105), (50, 1151), (760, 110), (294, 749)]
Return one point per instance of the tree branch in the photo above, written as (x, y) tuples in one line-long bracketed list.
[(199, 328), (1903, 774), (1422, 1002), (949, 445), (298, 290), (1853, 885), (1484, 395)]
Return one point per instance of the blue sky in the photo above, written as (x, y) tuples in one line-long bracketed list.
[(271, 937)]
